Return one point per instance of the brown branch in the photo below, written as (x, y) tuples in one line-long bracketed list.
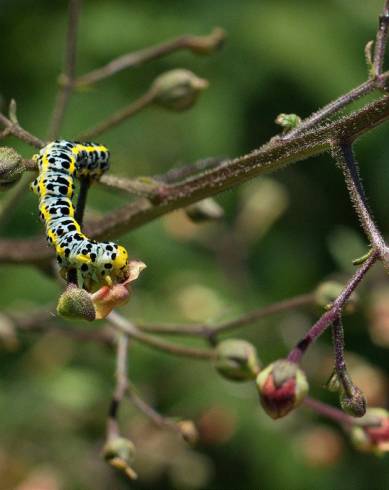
[(381, 39), (133, 332), (196, 44), (118, 117), (16, 130), (206, 330), (66, 80), (272, 156)]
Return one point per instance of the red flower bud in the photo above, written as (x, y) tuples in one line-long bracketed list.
[(373, 436), (282, 387)]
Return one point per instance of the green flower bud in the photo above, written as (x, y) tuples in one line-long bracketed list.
[(282, 386), (119, 452), (237, 360), (177, 90), (76, 303), (205, 210), (288, 121), (11, 167), (327, 292), (353, 403)]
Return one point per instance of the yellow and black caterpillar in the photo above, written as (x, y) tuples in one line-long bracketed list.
[(96, 263)]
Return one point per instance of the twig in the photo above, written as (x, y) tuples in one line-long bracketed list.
[(205, 330), (118, 117), (196, 44), (67, 79), (340, 363), (343, 154), (12, 198), (121, 386), (128, 328), (150, 412), (381, 39), (20, 133), (333, 313), (331, 412), (142, 186)]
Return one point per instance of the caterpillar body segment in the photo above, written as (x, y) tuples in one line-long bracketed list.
[(59, 163)]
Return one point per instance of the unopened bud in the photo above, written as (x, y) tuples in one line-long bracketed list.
[(288, 121), (237, 360), (177, 90), (327, 292), (282, 387), (353, 403), (205, 210), (372, 433), (11, 167), (120, 453), (76, 303)]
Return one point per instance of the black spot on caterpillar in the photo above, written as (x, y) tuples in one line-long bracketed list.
[(59, 163)]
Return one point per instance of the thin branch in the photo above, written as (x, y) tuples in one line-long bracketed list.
[(12, 199), (133, 332), (142, 186), (16, 130), (343, 154), (118, 117), (67, 79), (150, 412), (206, 330), (333, 313), (272, 156), (331, 412), (120, 387), (332, 108), (381, 40), (196, 44)]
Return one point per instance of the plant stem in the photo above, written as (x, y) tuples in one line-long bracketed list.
[(130, 60), (381, 39), (333, 313), (179, 350), (67, 80)]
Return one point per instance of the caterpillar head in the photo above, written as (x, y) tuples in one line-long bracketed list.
[(120, 265)]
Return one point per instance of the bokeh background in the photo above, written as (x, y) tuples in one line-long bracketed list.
[(281, 236)]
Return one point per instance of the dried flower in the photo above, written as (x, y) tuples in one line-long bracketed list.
[(237, 360), (282, 387)]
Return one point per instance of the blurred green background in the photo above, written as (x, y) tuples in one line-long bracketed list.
[(280, 237)]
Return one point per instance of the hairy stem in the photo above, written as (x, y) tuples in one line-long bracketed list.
[(333, 313)]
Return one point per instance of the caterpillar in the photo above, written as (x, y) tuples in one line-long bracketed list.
[(59, 162)]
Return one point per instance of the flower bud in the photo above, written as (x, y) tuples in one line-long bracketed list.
[(120, 453), (288, 121), (373, 435), (237, 360), (353, 403), (327, 292), (205, 210), (11, 167), (177, 90), (282, 387), (76, 303)]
